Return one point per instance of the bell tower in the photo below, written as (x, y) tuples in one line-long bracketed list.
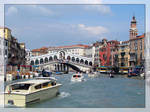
[(133, 29)]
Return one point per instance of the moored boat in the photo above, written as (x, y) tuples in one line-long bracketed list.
[(26, 92)]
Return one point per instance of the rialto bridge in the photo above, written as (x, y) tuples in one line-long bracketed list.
[(62, 61)]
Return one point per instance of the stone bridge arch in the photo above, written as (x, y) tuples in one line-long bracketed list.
[(51, 59)]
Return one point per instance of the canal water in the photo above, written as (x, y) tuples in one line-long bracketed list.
[(100, 92)]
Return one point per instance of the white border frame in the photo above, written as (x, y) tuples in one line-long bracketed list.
[(147, 100)]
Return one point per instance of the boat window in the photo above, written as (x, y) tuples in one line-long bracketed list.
[(76, 76), (38, 86), (53, 83), (45, 84), (20, 86)]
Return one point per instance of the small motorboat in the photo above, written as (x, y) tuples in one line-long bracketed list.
[(77, 77), (24, 93)]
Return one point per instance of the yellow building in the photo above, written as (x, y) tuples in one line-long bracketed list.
[(5, 32), (123, 54), (15, 51)]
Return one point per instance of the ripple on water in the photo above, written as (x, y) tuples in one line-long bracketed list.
[(64, 95)]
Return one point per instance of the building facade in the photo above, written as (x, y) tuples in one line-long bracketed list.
[(109, 53), (2, 56), (90, 52), (40, 51), (14, 51), (96, 49), (72, 49), (123, 54), (137, 46)]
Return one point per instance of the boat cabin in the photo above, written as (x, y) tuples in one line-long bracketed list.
[(29, 86)]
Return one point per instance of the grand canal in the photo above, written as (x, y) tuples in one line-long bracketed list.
[(100, 92)]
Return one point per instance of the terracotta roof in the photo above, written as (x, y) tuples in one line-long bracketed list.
[(114, 42), (139, 37), (40, 49), (71, 46)]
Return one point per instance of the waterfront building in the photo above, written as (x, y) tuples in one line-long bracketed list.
[(14, 51), (96, 48), (123, 54), (90, 52), (2, 55), (28, 55), (109, 53), (39, 51), (78, 49), (137, 46)]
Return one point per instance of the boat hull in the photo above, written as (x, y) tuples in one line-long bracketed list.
[(22, 100)]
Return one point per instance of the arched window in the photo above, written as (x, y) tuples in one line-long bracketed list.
[(86, 62), (77, 60), (55, 57), (82, 61), (32, 62), (46, 60), (90, 63), (41, 61), (73, 59), (50, 58), (37, 62)]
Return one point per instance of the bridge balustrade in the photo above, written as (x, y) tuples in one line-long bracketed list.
[(54, 59)]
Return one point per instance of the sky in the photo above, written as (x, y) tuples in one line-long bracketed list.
[(58, 25)]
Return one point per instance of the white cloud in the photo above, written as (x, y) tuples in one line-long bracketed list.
[(92, 30), (104, 9), (11, 10), (42, 10)]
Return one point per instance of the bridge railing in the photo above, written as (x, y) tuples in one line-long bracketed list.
[(65, 61)]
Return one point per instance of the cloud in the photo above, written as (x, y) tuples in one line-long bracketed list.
[(11, 10), (58, 34), (103, 9), (42, 10), (92, 30)]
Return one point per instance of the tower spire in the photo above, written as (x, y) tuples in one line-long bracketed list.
[(133, 29)]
